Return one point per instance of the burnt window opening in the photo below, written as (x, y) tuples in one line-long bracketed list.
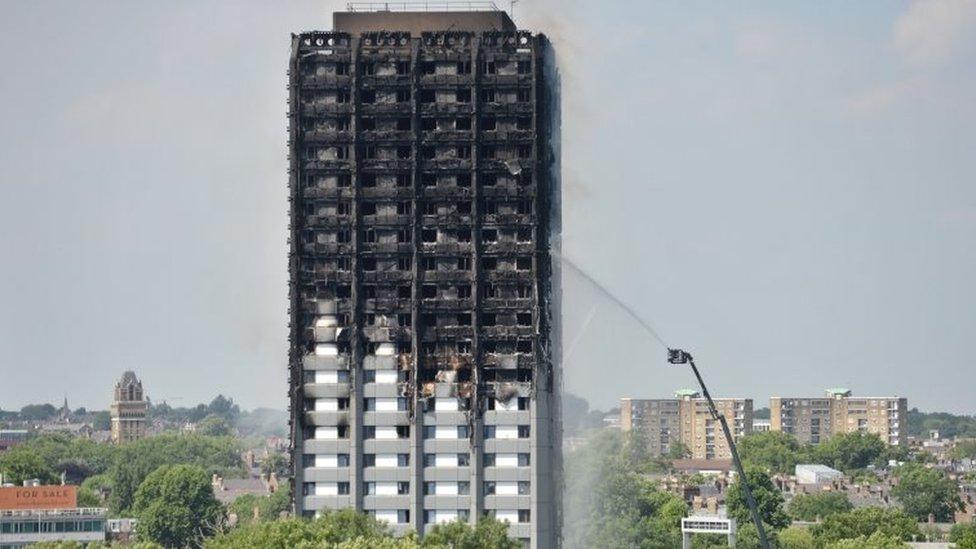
[(404, 152), (342, 124), (489, 319), (523, 123), (404, 348), (524, 67), (489, 207), (404, 292), (342, 96), (344, 207), (464, 235), (488, 67), (428, 124), (488, 95), (344, 263), (367, 68), (490, 346), (524, 95), (427, 96), (489, 180), (525, 151), (464, 291), (404, 180), (523, 290), (367, 124), (405, 320), (403, 431), (462, 124), (344, 236), (464, 264), (488, 123), (403, 96), (369, 291), (403, 263), (344, 347), (342, 153), (523, 263), (429, 263), (489, 151), (463, 207), (342, 69), (428, 235), (489, 264), (428, 291), (464, 67), (463, 95), (369, 235), (524, 235), (427, 348), (368, 208), (367, 179), (428, 180), (369, 153), (430, 208), (345, 180), (463, 347), (404, 124), (427, 152), (403, 68), (523, 346), (463, 180), (489, 235), (463, 151), (428, 67), (429, 320), (403, 207), (404, 236), (343, 291), (464, 319), (369, 263), (367, 97), (371, 321), (524, 319)]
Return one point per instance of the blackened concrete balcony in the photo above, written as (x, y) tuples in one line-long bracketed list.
[(385, 108), (446, 108), (328, 136), (386, 136), (326, 390), (517, 108)]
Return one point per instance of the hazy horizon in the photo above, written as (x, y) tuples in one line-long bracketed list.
[(785, 190)]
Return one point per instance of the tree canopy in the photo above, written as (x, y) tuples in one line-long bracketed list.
[(923, 491), (813, 507), (769, 500), (865, 522), (176, 506)]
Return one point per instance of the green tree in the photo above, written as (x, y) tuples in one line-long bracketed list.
[(36, 412), (21, 463), (795, 537), (963, 535), (214, 426), (88, 498), (812, 507), (102, 421), (964, 449), (772, 451), (329, 530), (877, 540), (275, 463), (850, 451), (488, 533), (176, 506), (224, 407), (678, 450), (769, 500), (923, 491), (865, 522), (268, 507)]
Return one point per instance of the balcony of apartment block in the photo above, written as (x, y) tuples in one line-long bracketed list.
[(325, 362), (506, 80), (325, 276), (327, 136), (328, 221), (385, 81), (328, 164), (326, 390), (508, 165), (321, 108), (507, 219), (515, 108), (446, 108), (508, 191), (380, 220), (508, 136), (446, 164), (386, 277), (508, 361), (387, 164), (387, 192), (507, 331), (446, 247), (509, 275), (331, 191), (491, 304), (398, 417), (438, 333), (507, 247), (446, 219), (325, 474), (446, 136), (385, 108), (386, 474), (320, 417), (326, 502), (434, 81), (386, 136), (380, 304), (324, 81), (446, 191), (452, 275), (386, 247), (319, 248)]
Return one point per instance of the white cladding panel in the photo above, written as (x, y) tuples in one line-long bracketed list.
[(386, 460), (326, 489), (326, 460), (506, 431), (386, 432), (386, 404), (386, 488), (506, 406), (386, 376), (445, 488), (511, 515), (445, 460), (448, 404), (326, 376), (447, 432), (506, 488), (326, 405), (506, 460), (326, 433)]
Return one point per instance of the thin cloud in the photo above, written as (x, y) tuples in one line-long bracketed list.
[(934, 32)]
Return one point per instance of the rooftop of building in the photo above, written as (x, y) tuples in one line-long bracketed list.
[(420, 17)]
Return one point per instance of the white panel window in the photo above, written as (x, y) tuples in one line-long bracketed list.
[(326, 349), (387, 515), (386, 432), (510, 405), (326, 433), (326, 488), (441, 516), (511, 515), (445, 488), (327, 321), (386, 404), (386, 460), (326, 376), (386, 488), (445, 460), (385, 349), (326, 405), (506, 489), (386, 376), (506, 431), (449, 432), (506, 460), (326, 460), (449, 404)]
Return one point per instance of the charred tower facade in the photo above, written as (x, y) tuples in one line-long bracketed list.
[(425, 335)]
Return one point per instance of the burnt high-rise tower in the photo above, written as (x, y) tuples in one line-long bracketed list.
[(424, 292)]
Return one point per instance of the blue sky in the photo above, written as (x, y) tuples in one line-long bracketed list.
[(784, 188)]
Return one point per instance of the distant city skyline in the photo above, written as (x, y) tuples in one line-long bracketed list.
[(785, 190)]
